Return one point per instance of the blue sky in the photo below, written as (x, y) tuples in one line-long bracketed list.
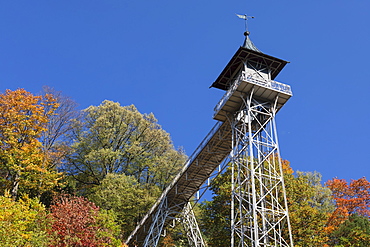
[(163, 55)]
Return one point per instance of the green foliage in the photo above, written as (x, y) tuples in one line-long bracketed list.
[(126, 197), (110, 138), (109, 230), (309, 205), (215, 214), (355, 231), (175, 237), (23, 222)]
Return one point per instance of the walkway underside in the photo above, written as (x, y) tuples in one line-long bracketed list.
[(213, 150)]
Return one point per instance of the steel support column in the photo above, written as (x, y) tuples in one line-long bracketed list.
[(191, 227), (259, 214), (156, 227)]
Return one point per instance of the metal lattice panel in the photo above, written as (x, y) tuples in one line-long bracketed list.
[(259, 208), (191, 227)]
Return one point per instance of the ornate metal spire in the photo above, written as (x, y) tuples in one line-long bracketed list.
[(249, 44)]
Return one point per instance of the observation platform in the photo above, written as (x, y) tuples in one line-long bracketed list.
[(267, 90)]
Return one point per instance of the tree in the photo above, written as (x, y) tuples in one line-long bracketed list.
[(79, 222), (54, 138), (351, 199), (110, 138), (309, 205), (355, 231), (23, 164), (126, 197), (23, 222)]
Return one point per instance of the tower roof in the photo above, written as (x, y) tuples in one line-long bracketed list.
[(247, 52)]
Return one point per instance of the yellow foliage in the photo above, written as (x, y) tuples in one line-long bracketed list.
[(22, 223), (23, 164)]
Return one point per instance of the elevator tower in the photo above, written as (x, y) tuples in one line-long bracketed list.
[(259, 213), (245, 138)]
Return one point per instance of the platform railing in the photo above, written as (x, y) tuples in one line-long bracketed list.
[(274, 85)]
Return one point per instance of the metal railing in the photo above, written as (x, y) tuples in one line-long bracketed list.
[(274, 85), (203, 143)]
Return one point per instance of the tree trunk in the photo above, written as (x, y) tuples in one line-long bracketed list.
[(15, 185)]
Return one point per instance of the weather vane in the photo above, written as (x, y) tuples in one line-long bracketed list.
[(245, 17)]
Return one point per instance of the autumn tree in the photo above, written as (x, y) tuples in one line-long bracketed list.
[(79, 222), (23, 164), (309, 205), (59, 125), (110, 138), (353, 197), (352, 207), (126, 197), (23, 222)]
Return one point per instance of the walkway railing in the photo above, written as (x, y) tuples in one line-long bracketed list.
[(274, 85)]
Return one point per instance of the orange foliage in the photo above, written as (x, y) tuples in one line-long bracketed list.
[(353, 197), (286, 167), (168, 241), (350, 199), (22, 120)]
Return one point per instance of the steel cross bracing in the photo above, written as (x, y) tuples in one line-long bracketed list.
[(259, 208), (191, 227), (156, 228), (213, 151)]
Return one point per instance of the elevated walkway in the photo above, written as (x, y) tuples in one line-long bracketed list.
[(200, 166), (213, 149)]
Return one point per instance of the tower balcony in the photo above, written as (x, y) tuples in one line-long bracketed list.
[(263, 89)]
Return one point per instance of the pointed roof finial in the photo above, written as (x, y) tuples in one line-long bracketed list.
[(247, 42)]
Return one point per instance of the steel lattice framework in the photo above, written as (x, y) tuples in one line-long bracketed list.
[(259, 211), (186, 217), (191, 227)]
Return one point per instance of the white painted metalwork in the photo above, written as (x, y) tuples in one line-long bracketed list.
[(156, 227), (248, 78), (191, 227), (165, 214), (259, 214)]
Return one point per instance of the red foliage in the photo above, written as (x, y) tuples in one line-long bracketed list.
[(74, 222)]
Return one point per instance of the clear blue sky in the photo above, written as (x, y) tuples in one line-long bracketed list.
[(163, 55)]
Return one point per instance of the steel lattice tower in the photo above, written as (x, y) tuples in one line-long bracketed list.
[(244, 137), (259, 213)]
